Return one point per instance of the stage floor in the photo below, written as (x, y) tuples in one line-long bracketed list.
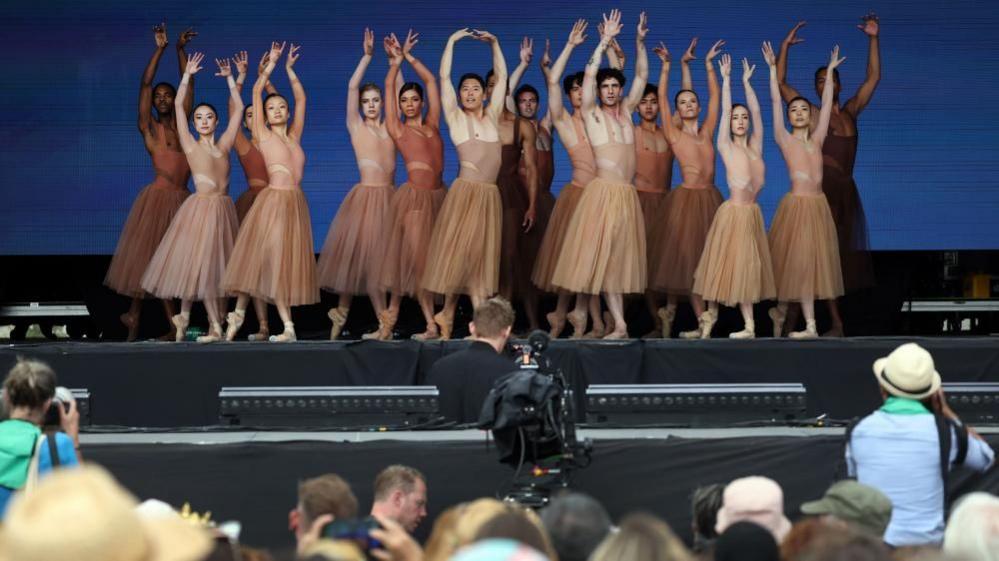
[(168, 385)]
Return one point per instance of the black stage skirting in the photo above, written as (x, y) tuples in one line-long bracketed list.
[(256, 482), (176, 385)]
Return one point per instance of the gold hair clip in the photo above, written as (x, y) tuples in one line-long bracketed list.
[(188, 514)]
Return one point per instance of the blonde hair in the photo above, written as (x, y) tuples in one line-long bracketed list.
[(30, 383), (973, 528), (335, 550), (642, 537), (492, 317)]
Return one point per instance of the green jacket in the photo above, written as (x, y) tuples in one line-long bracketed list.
[(17, 446)]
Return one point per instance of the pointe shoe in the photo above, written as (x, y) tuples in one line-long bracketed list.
[(708, 320), (748, 332), (778, 318), (809, 333), (386, 321), (287, 336), (666, 316), (339, 319), (834, 331), (132, 324), (214, 335), (233, 321), (180, 324), (262, 334), (444, 325), (557, 323), (578, 322), (431, 334)]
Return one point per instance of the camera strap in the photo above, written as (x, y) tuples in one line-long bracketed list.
[(53, 451)]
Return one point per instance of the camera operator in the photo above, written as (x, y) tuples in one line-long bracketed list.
[(28, 393), (464, 378)]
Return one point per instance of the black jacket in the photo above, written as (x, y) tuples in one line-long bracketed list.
[(464, 379)]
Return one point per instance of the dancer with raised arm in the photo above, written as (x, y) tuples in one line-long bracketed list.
[(692, 205), (159, 201), (192, 257), (465, 246), (735, 268), (839, 154), (417, 203), (352, 255), (803, 240), (604, 249), (273, 258)]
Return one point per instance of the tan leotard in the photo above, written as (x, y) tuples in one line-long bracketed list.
[(424, 156), (653, 161), (697, 160), (480, 158), (375, 153), (285, 162)]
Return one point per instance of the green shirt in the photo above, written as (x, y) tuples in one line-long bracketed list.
[(17, 444)]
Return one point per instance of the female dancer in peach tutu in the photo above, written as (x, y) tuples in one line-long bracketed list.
[(273, 258), (465, 246), (692, 205), (417, 203), (803, 239), (159, 201), (192, 257), (352, 253), (735, 268), (604, 249)]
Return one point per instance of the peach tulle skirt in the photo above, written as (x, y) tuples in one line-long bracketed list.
[(805, 249), (412, 216), (191, 259), (465, 246), (351, 258), (684, 228), (245, 201), (273, 258), (604, 246), (147, 222), (653, 210), (735, 266), (554, 236)]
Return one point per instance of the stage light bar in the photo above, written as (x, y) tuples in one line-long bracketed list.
[(694, 405), (328, 406), (976, 403)]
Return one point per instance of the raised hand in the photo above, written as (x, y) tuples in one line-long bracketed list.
[(612, 25), (747, 70), (461, 34), (715, 49), (725, 65), (275, 53), (871, 25), (578, 33), (689, 55), (643, 27), (526, 50), (241, 60), (186, 37), (546, 58), (662, 52), (293, 55), (224, 68), (484, 36), (263, 62), (834, 59), (194, 63), (160, 34), (768, 54), (369, 42), (393, 49), (792, 36), (411, 41)]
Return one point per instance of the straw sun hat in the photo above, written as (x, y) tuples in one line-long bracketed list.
[(908, 372)]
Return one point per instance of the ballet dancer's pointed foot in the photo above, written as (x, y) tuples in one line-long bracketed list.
[(171, 336), (180, 324), (809, 333), (578, 321), (132, 323), (444, 325), (339, 319), (263, 334), (778, 318), (287, 336), (616, 334), (431, 334), (386, 322), (233, 321), (214, 335), (708, 320), (834, 331), (748, 332), (666, 316), (609, 326), (557, 323)]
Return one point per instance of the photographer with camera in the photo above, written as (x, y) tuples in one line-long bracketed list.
[(464, 378), (25, 451)]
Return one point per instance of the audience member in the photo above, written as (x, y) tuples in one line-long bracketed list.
[(443, 540), (464, 378), (754, 499), (642, 537), (973, 529), (705, 503), (519, 524), (861, 505), (326, 496), (803, 534), (746, 541), (576, 524), (498, 550), (845, 543), (898, 449), (401, 495), (25, 453)]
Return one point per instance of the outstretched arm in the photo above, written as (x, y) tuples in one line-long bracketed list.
[(498, 99), (711, 120), (449, 98), (725, 128), (259, 121), (641, 67), (429, 82), (296, 127), (611, 28), (394, 52), (863, 96), (526, 53), (776, 105), (235, 107), (183, 40), (756, 137), (269, 86), (528, 140), (669, 128), (822, 128), (180, 102), (791, 40), (686, 81), (146, 84), (354, 85), (556, 110)]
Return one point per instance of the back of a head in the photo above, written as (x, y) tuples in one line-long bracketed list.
[(755, 499), (326, 494), (973, 528), (443, 540), (642, 537), (746, 541), (394, 477), (576, 523), (498, 549), (799, 541), (521, 525), (704, 505), (333, 550), (846, 544), (30, 383), (493, 317)]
